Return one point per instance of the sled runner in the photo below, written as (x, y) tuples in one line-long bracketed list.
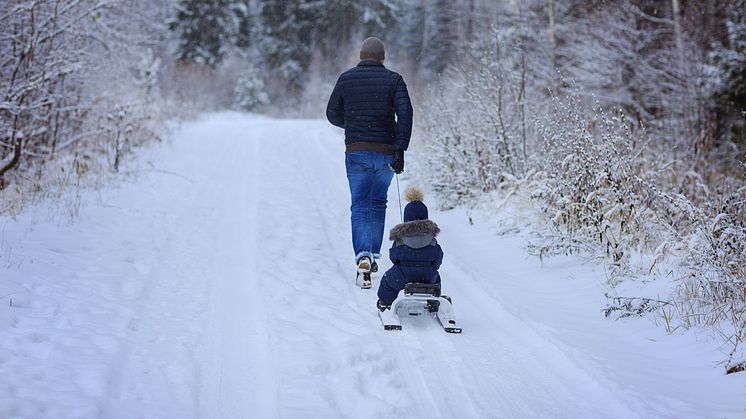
[(420, 300)]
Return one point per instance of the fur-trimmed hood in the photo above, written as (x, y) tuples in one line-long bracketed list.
[(416, 234)]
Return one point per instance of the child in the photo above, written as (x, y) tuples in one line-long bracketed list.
[(416, 254)]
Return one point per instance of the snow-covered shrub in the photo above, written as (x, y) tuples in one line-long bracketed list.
[(587, 184), (122, 127), (621, 307), (602, 190), (64, 70), (250, 92), (460, 167), (708, 241), (475, 129)]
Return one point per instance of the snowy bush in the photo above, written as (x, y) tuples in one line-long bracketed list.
[(475, 125), (601, 190), (250, 93), (709, 241), (587, 184), (65, 71)]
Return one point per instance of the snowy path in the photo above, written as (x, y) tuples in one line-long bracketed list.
[(225, 292)]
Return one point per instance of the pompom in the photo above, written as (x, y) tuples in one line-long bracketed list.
[(414, 193)]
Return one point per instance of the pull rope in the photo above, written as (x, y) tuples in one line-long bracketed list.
[(398, 193)]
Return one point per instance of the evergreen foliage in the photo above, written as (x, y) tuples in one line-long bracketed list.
[(203, 29), (286, 38), (412, 29), (244, 24), (250, 93), (441, 36)]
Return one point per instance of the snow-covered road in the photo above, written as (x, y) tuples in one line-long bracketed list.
[(219, 286)]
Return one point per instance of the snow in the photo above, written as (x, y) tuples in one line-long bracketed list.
[(219, 283)]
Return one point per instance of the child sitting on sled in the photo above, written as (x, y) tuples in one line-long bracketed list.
[(416, 254)]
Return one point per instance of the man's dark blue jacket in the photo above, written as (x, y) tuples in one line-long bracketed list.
[(364, 102)]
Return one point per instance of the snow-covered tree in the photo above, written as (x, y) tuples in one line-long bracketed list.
[(286, 38), (203, 28), (250, 91), (378, 16), (244, 26), (66, 65), (149, 71), (412, 29), (727, 80), (441, 36), (40, 53)]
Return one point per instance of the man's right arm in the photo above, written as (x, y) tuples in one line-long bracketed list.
[(335, 109), (403, 109)]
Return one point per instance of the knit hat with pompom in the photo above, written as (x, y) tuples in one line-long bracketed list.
[(415, 209)]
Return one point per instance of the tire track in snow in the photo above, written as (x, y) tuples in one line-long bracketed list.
[(160, 368), (421, 375), (240, 361), (418, 375), (359, 372), (320, 295)]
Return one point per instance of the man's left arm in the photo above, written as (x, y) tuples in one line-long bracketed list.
[(403, 109), (335, 110)]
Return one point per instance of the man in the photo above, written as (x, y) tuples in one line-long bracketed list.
[(372, 104)]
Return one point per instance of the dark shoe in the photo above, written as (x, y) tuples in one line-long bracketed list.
[(383, 307), (374, 267)]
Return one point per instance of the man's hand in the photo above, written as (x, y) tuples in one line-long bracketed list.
[(398, 164)]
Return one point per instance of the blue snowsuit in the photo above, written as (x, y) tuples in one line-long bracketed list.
[(416, 256)]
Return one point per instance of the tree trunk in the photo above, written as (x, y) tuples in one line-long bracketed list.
[(17, 140), (552, 46)]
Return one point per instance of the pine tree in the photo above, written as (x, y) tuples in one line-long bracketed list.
[(729, 85), (441, 36), (249, 91), (203, 28), (243, 24), (286, 40), (378, 16), (344, 14), (371, 18), (412, 29)]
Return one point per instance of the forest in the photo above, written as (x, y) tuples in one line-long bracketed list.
[(617, 127)]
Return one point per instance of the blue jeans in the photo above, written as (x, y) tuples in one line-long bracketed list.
[(369, 175)]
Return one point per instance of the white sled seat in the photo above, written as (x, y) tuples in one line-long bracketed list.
[(419, 299)]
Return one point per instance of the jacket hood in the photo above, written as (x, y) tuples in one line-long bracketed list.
[(415, 234)]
